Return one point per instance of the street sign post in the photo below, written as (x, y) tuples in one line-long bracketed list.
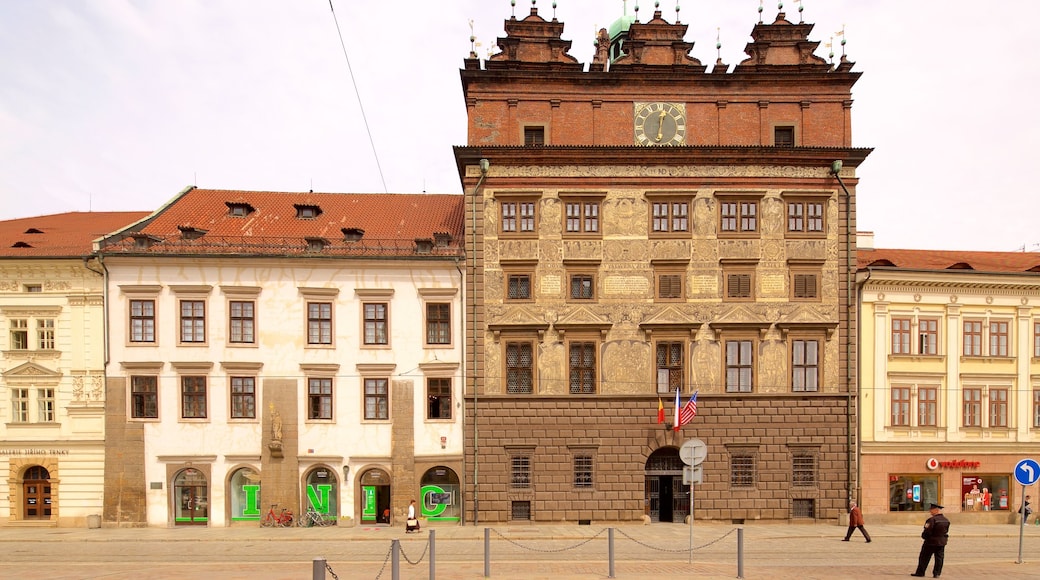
[(692, 452), (1027, 472)]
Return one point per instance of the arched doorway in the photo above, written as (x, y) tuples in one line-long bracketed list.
[(322, 492), (190, 498), (441, 495), (36, 493), (375, 497), (667, 499), (244, 491)]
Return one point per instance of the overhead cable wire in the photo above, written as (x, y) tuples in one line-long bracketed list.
[(364, 117)]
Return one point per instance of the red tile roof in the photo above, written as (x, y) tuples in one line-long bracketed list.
[(61, 235), (950, 260), (391, 222)]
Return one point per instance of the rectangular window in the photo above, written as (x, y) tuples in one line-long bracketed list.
[(805, 286), (1036, 339), (670, 216), (438, 323), (783, 136), (319, 323), (583, 471), (582, 368), (193, 321), (900, 406), (998, 407), (33, 288), (142, 321), (243, 397), (19, 334), (45, 404), (534, 136), (739, 365), (738, 217), (670, 286), (19, 405), (582, 217), (669, 367), (582, 286), (193, 397), (319, 398), (901, 336), (242, 321), (518, 217), (519, 287), (1036, 407), (438, 397), (144, 397), (520, 510), (972, 407), (972, 338), (803, 470), (803, 508), (805, 365), (520, 472), (998, 339), (927, 407), (45, 333), (739, 285), (376, 327), (377, 399), (519, 368), (742, 470), (805, 217), (927, 336)]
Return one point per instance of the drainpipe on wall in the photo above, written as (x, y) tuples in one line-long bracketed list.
[(484, 166), (836, 172)]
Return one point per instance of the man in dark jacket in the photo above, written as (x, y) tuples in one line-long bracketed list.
[(935, 535)]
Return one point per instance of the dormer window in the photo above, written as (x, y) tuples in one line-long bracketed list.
[(423, 246), (960, 266), (20, 245), (143, 241), (307, 212), (316, 244), (236, 209), (191, 233), (352, 234), (441, 239), (33, 231)]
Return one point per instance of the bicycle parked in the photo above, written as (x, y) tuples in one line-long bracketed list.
[(280, 520), (315, 518)]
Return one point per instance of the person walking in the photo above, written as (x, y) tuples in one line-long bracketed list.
[(1026, 511), (856, 521), (936, 534), (412, 525)]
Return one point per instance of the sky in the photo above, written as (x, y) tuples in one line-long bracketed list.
[(117, 105)]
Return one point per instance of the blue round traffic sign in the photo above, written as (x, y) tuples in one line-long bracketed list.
[(1027, 471)]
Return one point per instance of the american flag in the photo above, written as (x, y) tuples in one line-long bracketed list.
[(688, 411)]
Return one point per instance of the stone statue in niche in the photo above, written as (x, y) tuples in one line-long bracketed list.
[(276, 433)]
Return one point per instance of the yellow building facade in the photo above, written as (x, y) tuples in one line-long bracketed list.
[(950, 381)]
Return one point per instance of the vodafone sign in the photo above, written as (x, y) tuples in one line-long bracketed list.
[(932, 464)]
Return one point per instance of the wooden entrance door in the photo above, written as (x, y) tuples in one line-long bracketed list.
[(36, 494)]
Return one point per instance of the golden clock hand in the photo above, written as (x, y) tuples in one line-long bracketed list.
[(660, 126)]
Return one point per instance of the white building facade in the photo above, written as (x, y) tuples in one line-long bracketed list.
[(294, 371)]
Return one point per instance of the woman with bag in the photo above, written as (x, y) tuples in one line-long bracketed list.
[(412, 525)]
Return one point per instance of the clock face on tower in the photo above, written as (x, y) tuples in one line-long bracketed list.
[(660, 124)]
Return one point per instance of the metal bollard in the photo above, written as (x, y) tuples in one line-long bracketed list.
[(433, 555), (487, 552), (610, 552), (318, 569), (395, 560), (740, 552)]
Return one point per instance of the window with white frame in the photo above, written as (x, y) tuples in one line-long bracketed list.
[(19, 405), (31, 333), (45, 405), (972, 407), (998, 407)]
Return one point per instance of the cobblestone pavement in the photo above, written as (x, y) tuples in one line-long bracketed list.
[(565, 552)]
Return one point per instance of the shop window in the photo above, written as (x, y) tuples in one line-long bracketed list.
[(985, 492), (912, 493), (245, 495)]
